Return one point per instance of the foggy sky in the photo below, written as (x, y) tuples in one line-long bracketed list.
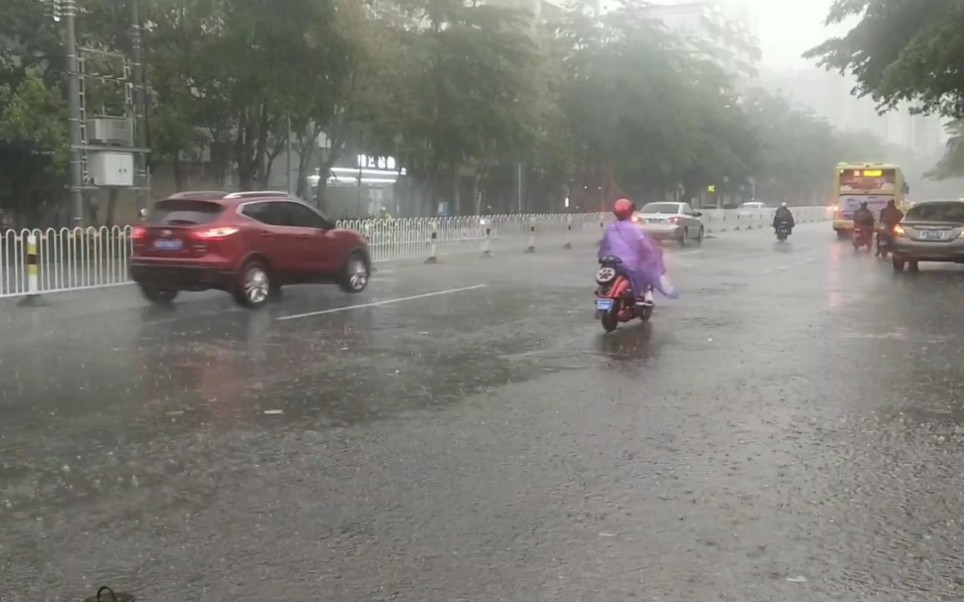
[(787, 28)]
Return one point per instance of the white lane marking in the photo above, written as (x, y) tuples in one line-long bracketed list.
[(684, 253), (322, 312)]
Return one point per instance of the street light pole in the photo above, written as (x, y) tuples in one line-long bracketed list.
[(140, 104), (288, 150), (69, 11)]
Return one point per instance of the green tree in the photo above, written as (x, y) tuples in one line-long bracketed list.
[(644, 114), (799, 151), (374, 59), (951, 165), (259, 65), (901, 50), (469, 98), (33, 138)]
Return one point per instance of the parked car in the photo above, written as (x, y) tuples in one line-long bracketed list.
[(751, 209), (671, 221), (249, 244)]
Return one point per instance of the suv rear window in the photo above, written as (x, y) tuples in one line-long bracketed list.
[(183, 212), (937, 212)]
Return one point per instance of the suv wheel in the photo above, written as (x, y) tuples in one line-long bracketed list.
[(356, 275), (254, 285), (157, 296)]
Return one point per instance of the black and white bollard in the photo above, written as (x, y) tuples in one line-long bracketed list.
[(532, 240), (433, 252), (487, 243)]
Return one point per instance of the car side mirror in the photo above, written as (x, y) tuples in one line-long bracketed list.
[(698, 214)]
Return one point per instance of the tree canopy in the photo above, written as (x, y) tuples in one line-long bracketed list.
[(462, 94), (904, 51)]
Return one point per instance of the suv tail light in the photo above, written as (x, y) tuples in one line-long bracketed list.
[(214, 233), (139, 233)]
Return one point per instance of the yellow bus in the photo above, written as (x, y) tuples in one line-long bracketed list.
[(875, 183)]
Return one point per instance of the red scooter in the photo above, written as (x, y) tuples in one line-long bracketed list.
[(615, 302)]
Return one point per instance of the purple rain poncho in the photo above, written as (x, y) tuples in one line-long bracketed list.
[(642, 257)]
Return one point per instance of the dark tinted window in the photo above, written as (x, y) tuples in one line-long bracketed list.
[(937, 212), (183, 212), (303, 217), (267, 213)]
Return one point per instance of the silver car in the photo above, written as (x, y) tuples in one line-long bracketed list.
[(671, 221)]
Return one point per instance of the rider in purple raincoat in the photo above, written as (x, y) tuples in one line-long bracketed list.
[(642, 258)]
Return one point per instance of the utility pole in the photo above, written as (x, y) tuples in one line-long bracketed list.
[(140, 105), (69, 12)]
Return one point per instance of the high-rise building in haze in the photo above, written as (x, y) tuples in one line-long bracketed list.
[(719, 31), (830, 95)]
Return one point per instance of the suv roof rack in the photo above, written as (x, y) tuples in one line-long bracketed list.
[(195, 193), (256, 193)]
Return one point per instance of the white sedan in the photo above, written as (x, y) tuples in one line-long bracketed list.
[(671, 221), (752, 209)]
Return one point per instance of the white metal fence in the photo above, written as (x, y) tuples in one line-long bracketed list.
[(87, 258)]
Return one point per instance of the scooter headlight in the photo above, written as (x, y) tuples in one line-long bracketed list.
[(605, 275)]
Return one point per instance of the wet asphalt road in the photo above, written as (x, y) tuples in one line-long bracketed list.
[(791, 429)]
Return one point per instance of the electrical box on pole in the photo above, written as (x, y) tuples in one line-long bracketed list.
[(111, 169)]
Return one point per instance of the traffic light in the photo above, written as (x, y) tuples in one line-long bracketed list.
[(711, 188)]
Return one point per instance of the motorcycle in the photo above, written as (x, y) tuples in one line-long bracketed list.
[(615, 301), (783, 230), (884, 243), (863, 237)]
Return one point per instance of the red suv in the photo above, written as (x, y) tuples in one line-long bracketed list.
[(247, 243)]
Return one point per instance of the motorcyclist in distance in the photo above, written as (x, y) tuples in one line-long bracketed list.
[(783, 216)]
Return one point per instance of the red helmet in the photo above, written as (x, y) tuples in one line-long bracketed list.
[(624, 209)]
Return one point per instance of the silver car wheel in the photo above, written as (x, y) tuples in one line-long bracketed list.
[(256, 285), (357, 274)]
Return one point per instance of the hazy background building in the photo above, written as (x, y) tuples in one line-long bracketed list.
[(829, 95), (721, 32)]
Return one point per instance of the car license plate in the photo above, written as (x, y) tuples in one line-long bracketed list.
[(932, 235), (604, 304), (165, 244)]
